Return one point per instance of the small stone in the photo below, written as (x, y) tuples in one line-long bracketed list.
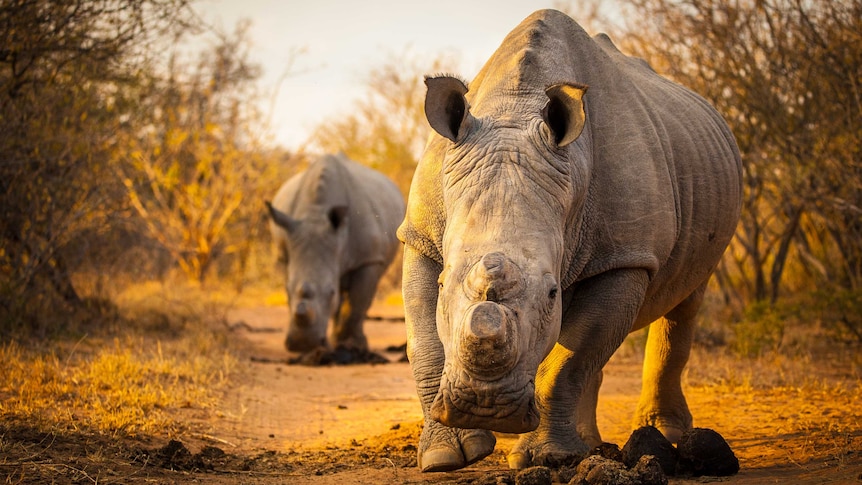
[(536, 475), (648, 469), (566, 473), (649, 441), (497, 478), (704, 452), (597, 470)]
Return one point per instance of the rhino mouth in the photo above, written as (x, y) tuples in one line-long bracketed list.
[(506, 407)]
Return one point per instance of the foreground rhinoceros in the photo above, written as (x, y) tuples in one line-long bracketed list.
[(334, 226), (547, 221)]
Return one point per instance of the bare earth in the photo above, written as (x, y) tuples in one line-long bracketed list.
[(360, 423)]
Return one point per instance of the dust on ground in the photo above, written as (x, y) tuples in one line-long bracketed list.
[(360, 424)]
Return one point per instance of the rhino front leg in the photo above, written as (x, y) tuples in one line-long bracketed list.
[(441, 448), (359, 289), (662, 403), (596, 319)]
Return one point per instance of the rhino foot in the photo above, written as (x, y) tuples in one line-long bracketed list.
[(672, 424), (443, 449), (540, 448)]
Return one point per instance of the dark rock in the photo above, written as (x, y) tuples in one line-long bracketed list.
[(703, 451), (611, 451), (649, 441), (536, 475), (649, 471), (174, 456)]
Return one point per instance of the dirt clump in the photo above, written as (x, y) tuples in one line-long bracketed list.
[(536, 475), (704, 451), (611, 451), (175, 456), (340, 355), (648, 440)]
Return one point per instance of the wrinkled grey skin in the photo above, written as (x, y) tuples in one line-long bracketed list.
[(334, 227), (569, 197)]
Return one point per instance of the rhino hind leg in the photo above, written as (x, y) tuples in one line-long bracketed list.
[(662, 403), (360, 287), (443, 449)]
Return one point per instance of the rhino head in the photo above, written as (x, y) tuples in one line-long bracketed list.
[(311, 256), (509, 193)]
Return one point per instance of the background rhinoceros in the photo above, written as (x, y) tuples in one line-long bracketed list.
[(334, 227), (569, 196)]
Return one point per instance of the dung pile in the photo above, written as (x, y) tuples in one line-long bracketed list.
[(647, 458), (340, 355)]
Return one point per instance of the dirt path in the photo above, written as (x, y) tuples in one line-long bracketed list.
[(783, 435)]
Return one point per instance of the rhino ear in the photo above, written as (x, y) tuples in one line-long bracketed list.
[(337, 215), (564, 112), (281, 219), (446, 108)]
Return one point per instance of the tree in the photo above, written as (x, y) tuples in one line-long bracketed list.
[(63, 66), (194, 173), (785, 74)]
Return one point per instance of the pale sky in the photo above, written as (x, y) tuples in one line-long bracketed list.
[(344, 39)]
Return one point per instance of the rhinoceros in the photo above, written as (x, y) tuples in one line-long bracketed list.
[(334, 228), (568, 197)]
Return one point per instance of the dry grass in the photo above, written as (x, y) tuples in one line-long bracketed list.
[(113, 390), (125, 378)]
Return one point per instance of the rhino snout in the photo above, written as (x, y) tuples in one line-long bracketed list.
[(489, 344), (304, 332)]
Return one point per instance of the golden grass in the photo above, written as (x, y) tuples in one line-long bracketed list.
[(119, 389), (156, 359)]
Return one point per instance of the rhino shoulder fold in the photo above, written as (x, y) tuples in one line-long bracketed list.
[(410, 236)]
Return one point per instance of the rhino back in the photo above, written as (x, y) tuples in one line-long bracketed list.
[(375, 206), (666, 180)]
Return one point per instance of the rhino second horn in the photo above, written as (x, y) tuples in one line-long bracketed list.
[(488, 346), (495, 277)]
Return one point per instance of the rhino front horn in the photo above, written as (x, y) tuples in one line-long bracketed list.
[(488, 347)]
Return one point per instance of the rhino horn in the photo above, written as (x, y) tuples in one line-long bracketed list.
[(281, 219), (495, 278), (488, 344)]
